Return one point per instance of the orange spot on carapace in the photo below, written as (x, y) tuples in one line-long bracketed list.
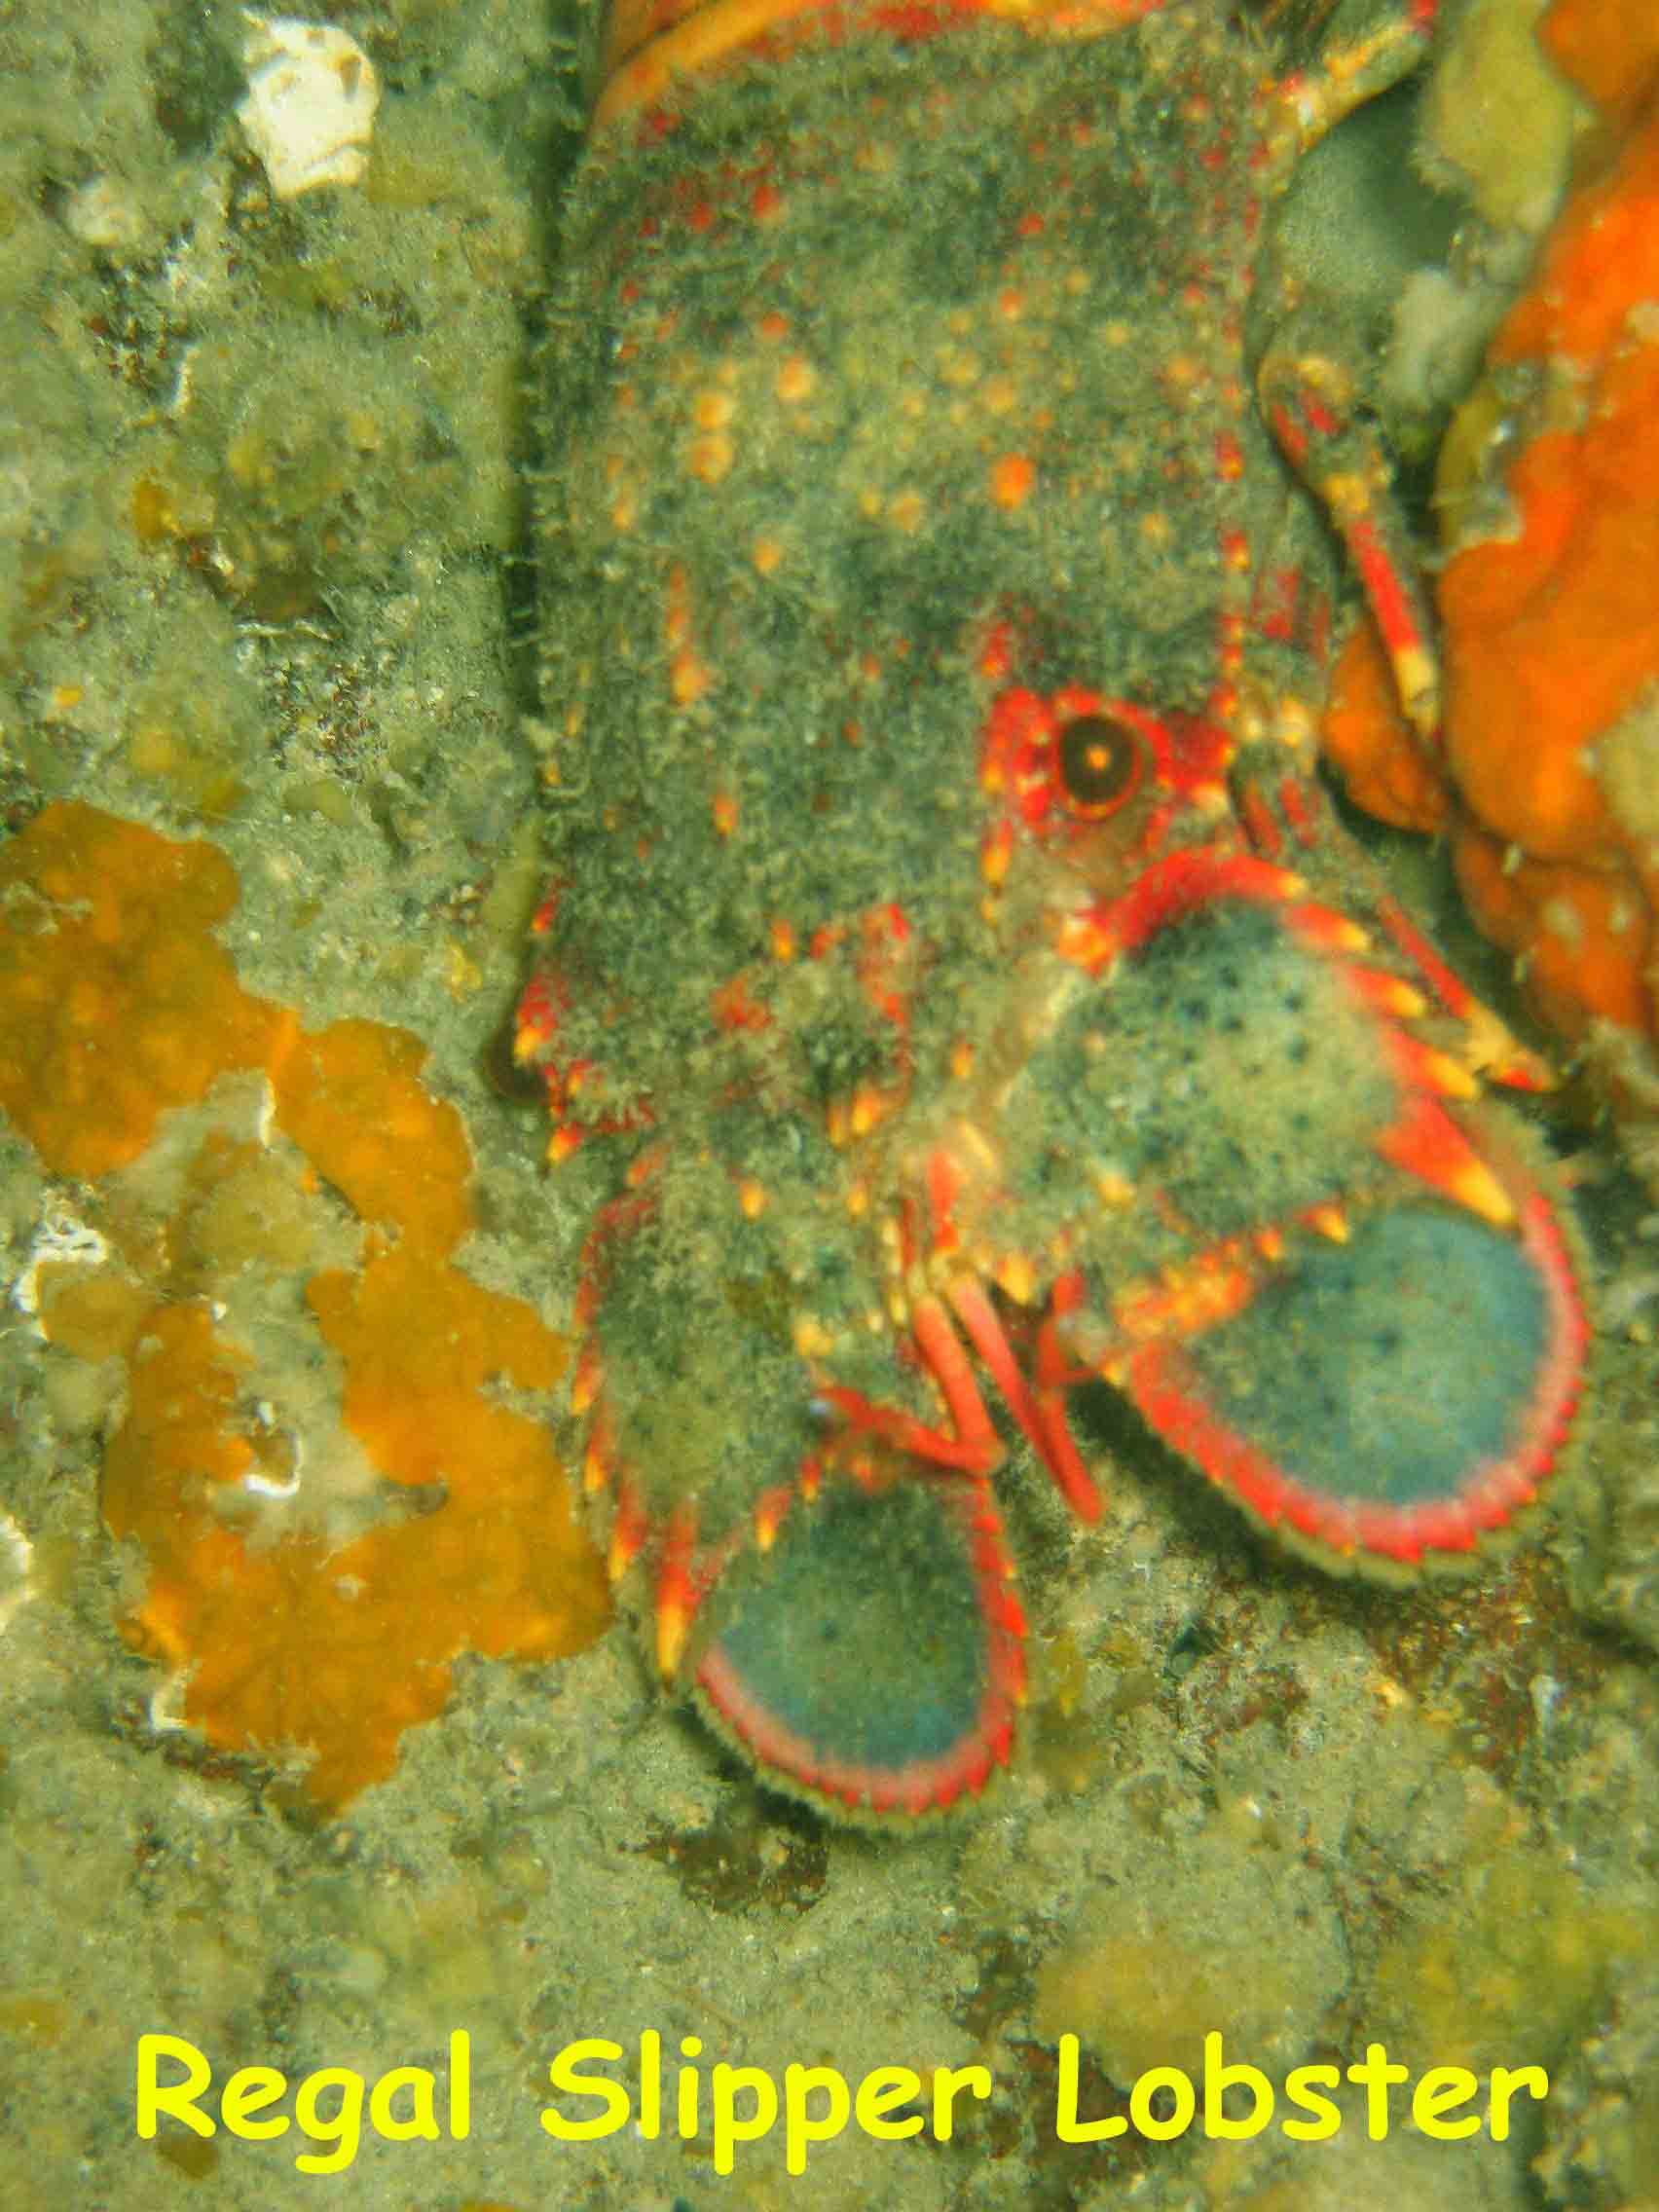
[(711, 456), (688, 678), (1013, 479), (795, 380)]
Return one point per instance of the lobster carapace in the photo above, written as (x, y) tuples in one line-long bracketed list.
[(951, 978)]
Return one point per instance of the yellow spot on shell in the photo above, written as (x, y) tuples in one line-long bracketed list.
[(812, 1339), (688, 678), (711, 456), (623, 1550), (673, 1625), (868, 1107)]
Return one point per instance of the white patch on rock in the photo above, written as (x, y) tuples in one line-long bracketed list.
[(62, 1241), (309, 111)]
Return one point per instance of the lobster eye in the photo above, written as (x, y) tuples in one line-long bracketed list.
[(1097, 761)]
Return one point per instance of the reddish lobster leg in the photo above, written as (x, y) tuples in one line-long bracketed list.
[(1309, 403)]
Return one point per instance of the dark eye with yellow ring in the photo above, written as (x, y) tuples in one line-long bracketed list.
[(1097, 761)]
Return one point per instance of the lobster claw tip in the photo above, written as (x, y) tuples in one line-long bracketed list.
[(870, 1661)]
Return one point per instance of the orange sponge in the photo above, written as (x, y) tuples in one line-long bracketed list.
[(1610, 47), (350, 1098), (1550, 760), (116, 1003), (289, 1645)]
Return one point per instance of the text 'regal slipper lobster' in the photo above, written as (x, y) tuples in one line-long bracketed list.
[(951, 978)]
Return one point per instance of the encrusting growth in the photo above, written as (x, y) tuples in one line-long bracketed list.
[(1546, 772), (297, 1612)]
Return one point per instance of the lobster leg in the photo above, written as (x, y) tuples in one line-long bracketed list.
[(1309, 403)]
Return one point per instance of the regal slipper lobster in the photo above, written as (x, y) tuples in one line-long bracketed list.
[(952, 979)]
